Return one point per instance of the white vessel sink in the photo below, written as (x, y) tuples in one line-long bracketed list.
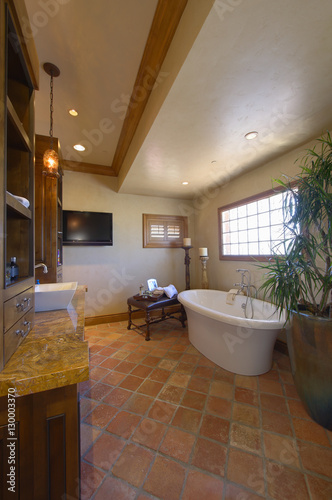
[(53, 296)]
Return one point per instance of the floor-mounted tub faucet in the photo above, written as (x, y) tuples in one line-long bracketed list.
[(244, 278), (246, 284), (243, 275)]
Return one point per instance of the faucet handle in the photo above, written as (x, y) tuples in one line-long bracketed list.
[(237, 284), (243, 275)]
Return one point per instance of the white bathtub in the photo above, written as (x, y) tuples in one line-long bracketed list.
[(222, 333)]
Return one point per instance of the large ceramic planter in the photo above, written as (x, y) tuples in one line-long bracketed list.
[(309, 341)]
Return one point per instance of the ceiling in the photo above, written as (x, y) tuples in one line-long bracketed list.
[(197, 77)]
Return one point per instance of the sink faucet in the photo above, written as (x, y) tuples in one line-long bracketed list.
[(45, 270)]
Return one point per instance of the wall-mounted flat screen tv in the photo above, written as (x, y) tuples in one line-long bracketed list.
[(87, 228)]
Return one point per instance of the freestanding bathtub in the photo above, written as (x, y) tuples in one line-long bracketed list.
[(222, 333)]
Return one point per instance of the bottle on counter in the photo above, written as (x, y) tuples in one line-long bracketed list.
[(14, 270), (8, 274)]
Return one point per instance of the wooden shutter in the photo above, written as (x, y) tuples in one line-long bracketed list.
[(162, 231)]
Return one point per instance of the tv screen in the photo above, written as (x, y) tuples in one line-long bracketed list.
[(87, 228)]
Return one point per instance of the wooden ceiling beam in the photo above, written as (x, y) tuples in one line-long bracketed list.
[(165, 22), (87, 168)]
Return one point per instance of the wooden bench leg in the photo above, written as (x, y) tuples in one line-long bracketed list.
[(129, 317), (183, 316), (147, 321)]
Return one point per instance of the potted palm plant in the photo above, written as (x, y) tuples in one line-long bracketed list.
[(298, 279)]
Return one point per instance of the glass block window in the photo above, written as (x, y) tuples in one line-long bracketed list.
[(164, 230), (253, 227)]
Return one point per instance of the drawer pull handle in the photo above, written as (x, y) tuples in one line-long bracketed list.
[(24, 305), (28, 324), (22, 332)]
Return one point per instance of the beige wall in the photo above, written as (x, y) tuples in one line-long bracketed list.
[(114, 273), (222, 274)]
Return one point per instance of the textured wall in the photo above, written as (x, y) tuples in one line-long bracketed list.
[(113, 273)]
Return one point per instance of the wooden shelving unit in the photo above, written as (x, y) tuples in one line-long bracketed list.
[(19, 78), (18, 132)]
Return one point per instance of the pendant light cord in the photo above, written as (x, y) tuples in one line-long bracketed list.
[(51, 112)]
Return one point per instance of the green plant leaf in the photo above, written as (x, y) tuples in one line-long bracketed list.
[(303, 275)]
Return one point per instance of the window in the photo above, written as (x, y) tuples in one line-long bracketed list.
[(252, 227), (164, 230)]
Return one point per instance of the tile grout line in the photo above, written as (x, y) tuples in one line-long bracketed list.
[(189, 466)]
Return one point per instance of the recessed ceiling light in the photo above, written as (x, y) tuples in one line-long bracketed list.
[(73, 112), (185, 183), (79, 147), (251, 135)]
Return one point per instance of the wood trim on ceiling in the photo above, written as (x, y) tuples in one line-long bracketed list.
[(165, 22), (87, 168)]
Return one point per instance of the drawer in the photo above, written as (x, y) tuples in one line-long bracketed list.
[(17, 333), (17, 306)]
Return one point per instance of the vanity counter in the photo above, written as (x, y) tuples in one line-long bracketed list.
[(53, 355), (45, 371)]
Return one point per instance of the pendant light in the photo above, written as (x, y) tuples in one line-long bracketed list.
[(50, 158)]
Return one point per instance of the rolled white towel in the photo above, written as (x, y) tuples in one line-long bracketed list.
[(170, 291), (22, 200)]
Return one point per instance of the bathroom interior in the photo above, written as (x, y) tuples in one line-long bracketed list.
[(165, 91)]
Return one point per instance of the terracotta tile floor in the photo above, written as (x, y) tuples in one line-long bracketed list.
[(160, 421)]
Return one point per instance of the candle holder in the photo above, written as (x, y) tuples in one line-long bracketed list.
[(205, 282), (186, 263)]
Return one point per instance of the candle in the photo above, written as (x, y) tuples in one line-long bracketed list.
[(187, 242), (203, 252)]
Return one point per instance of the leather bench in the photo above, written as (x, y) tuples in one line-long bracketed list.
[(136, 304)]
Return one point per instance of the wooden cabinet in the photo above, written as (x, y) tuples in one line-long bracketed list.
[(45, 453), (48, 216), (43, 417), (19, 78), (10, 450)]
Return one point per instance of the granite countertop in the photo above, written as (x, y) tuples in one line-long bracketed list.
[(54, 354)]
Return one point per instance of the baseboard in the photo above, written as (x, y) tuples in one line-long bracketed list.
[(281, 346), (114, 318), (111, 318)]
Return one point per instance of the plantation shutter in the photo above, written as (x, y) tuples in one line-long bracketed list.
[(163, 230)]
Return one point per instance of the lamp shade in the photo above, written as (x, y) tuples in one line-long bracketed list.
[(50, 158), (51, 163)]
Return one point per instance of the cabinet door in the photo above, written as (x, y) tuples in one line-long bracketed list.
[(8, 468), (56, 444), (46, 446), (16, 452)]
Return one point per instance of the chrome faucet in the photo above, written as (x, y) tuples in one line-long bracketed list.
[(243, 285), (45, 270), (245, 281), (246, 284)]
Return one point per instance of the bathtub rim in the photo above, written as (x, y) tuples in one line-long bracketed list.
[(260, 324)]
